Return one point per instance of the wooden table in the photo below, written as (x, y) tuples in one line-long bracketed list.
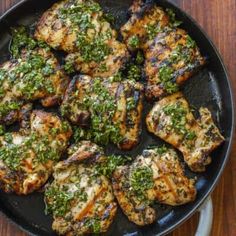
[(218, 18)]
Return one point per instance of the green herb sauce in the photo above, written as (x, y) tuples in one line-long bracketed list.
[(59, 199), (102, 107), (141, 180), (173, 22), (94, 224), (179, 121), (107, 167), (91, 47), (134, 42), (22, 40), (166, 78)]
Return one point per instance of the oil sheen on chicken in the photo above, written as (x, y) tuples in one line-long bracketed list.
[(156, 175), (172, 120)]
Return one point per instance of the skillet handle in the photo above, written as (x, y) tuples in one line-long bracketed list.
[(206, 217)]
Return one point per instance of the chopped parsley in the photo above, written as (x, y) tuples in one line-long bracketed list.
[(111, 162), (117, 77), (179, 121), (134, 72), (9, 106), (134, 42), (139, 58), (109, 17), (58, 199), (2, 130), (22, 40), (131, 103), (80, 14), (173, 22), (152, 31), (160, 150), (94, 224), (69, 66), (141, 180), (93, 50), (190, 42), (166, 75)]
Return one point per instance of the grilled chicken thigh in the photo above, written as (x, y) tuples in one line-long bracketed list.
[(155, 175), (172, 120), (141, 26), (79, 28), (36, 75), (28, 156), (80, 199), (172, 57), (111, 109)]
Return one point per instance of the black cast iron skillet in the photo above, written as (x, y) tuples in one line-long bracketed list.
[(210, 88)]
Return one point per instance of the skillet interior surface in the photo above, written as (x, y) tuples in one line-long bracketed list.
[(210, 87)]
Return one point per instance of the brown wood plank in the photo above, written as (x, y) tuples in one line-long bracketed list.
[(218, 19)]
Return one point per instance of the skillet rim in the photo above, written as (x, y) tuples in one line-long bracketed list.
[(11, 218)]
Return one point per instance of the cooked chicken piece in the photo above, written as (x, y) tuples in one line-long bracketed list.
[(155, 175), (79, 28), (143, 23), (28, 156), (172, 57), (172, 120), (36, 75), (80, 199), (113, 110)]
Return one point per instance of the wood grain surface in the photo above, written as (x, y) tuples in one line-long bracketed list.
[(218, 18)]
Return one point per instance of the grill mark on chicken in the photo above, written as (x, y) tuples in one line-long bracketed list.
[(91, 214), (167, 181), (171, 56), (19, 88), (72, 26), (196, 139), (119, 93), (90, 204), (27, 159), (170, 185)]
